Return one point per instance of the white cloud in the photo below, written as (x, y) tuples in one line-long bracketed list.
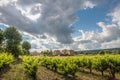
[(52, 24), (27, 11), (109, 37), (53, 17), (115, 14), (33, 17), (40, 43), (6, 2), (88, 4), (111, 44)]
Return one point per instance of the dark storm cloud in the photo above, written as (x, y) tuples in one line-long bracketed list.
[(56, 17)]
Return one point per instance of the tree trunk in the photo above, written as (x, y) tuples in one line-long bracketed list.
[(113, 75), (102, 73), (90, 70), (34, 77)]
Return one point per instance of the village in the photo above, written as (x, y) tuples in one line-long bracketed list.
[(64, 52)]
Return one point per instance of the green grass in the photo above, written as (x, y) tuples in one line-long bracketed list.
[(15, 73)]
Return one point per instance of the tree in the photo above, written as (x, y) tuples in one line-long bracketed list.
[(26, 46), (1, 36), (46, 53), (12, 40), (102, 52), (2, 49)]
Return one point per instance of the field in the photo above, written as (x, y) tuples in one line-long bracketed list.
[(96, 67)]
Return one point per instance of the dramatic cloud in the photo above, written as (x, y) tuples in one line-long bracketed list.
[(109, 37), (53, 17), (48, 23)]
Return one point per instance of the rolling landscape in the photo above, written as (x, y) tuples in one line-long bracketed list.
[(59, 40)]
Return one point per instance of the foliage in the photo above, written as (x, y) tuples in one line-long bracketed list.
[(31, 65), (100, 64), (2, 49), (12, 40), (67, 66), (70, 65), (26, 46), (1, 36), (101, 52), (113, 64), (46, 53), (5, 60)]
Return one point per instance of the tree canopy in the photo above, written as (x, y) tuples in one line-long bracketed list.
[(26, 45), (12, 40)]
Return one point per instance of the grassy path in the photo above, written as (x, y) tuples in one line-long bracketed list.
[(15, 73)]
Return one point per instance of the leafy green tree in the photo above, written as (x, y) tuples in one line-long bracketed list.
[(2, 49), (26, 47), (12, 40), (1, 36), (116, 51), (102, 52), (46, 53)]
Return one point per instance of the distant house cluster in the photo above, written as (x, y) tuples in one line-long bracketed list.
[(35, 53), (64, 52)]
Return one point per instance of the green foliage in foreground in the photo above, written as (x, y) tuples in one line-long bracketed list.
[(31, 65), (5, 60), (70, 65)]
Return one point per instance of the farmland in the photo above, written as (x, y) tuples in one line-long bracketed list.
[(59, 39), (85, 67)]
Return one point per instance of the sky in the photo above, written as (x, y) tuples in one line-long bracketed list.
[(60, 24)]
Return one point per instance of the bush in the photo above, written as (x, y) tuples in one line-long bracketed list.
[(5, 60)]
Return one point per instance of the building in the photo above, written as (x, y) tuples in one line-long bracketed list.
[(64, 52), (57, 53), (35, 53)]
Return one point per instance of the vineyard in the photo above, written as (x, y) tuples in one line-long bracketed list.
[(5, 60), (106, 65), (70, 65)]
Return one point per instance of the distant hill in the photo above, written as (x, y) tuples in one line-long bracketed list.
[(110, 49)]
